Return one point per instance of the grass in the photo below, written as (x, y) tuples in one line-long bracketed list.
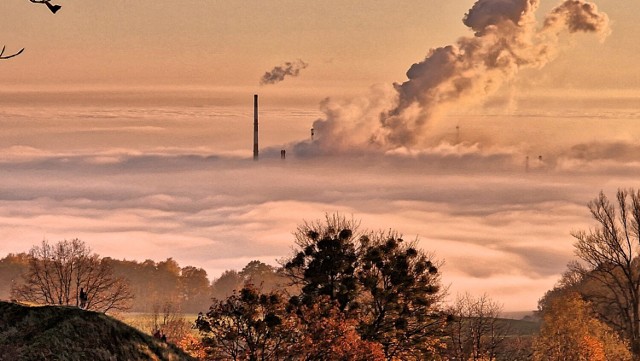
[(69, 333)]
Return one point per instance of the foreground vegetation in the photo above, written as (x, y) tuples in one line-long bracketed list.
[(69, 333), (352, 294)]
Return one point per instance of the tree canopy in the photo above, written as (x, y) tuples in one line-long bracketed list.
[(571, 331), (389, 285), (64, 272), (607, 273)]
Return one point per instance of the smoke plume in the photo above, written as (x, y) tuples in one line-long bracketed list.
[(278, 73), (577, 15), (507, 38)]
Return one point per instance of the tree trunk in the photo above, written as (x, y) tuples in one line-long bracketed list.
[(635, 331)]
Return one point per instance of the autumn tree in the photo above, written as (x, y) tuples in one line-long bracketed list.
[(610, 264), (166, 279), (390, 286), (475, 332), (248, 325), (195, 291), (251, 325), (264, 276), (192, 345), (400, 294), (12, 267), (326, 333), (228, 282), (571, 332), (326, 261), (140, 277), (57, 273), (255, 271), (167, 318)]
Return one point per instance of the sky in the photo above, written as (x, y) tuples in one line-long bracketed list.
[(130, 124)]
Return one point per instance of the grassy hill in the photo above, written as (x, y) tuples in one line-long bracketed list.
[(69, 333), (520, 327)]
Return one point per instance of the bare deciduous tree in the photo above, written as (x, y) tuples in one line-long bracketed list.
[(168, 319), (476, 333), (58, 272), (609, 253)]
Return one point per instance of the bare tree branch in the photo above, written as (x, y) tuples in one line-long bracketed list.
[(611, 252), (52, 8), (57, 274), (2, 56)]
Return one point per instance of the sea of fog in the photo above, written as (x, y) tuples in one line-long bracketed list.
[(495, 197)]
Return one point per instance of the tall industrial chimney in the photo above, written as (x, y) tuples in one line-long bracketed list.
[(255, 127)]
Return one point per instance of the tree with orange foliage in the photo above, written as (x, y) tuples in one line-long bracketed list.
[(610, 263), (390, 287), (248, 325), (570, 331), (192, 346), (329, 335)]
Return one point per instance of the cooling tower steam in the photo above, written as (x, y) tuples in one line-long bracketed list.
[(507, 38), (278, 73), (576, 16)]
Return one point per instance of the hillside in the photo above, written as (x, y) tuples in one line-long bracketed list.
[(69, 333), (520, 327)]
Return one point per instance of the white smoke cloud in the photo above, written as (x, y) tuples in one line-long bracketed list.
[(506, 39), (278, 73), (487, 13)]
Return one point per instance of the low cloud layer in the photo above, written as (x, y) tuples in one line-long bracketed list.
[(220, 213), (500, 226)]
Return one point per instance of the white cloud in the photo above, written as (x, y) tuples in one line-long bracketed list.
[(473, 203)]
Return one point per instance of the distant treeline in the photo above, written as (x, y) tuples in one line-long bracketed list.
[(153, 283)]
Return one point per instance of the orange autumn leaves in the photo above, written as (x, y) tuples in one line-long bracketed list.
[(570, 331)]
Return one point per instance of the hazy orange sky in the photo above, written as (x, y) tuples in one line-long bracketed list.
[(129, 125), (232, 43)]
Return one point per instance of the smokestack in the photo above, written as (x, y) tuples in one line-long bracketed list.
[(255, 127)]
